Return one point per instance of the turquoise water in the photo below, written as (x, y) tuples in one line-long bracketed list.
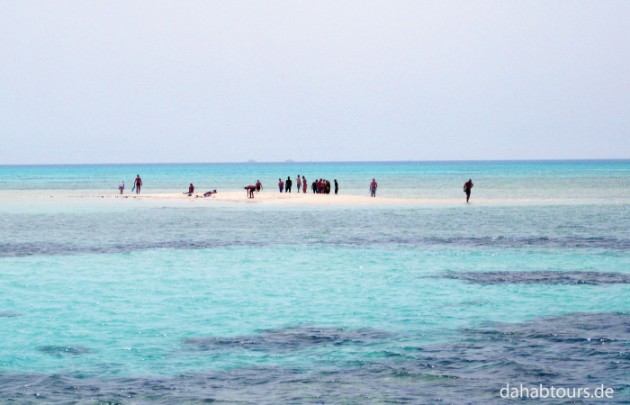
[(571, 180), (151, 301)]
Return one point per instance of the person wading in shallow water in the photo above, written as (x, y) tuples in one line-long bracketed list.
[(468, 188)]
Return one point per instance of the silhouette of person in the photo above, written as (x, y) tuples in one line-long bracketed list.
[(468, 188)]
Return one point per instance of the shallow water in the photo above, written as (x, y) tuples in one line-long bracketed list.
[(139, 302)]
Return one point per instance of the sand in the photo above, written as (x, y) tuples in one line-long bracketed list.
[(21, 198), (285, 198)]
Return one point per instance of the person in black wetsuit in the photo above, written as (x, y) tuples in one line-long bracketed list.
[(468, 188), (287, 185)]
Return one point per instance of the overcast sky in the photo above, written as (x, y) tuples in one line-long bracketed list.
[(224, 81)]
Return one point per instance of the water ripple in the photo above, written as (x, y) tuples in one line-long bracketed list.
[(581, 349)]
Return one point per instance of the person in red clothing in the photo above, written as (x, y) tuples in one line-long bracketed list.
[(138, 184), (250, 190), (191, 189), (373, 187)]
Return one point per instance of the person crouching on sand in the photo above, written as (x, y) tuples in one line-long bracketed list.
[(191, 189), (250, 190)]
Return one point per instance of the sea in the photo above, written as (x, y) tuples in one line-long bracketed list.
[(522, 294)]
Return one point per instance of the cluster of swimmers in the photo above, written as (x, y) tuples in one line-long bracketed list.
[(321, 186)]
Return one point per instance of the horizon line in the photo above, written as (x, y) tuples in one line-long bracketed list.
[(290, 161)]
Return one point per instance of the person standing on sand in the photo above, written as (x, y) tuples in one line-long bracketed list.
[(373, 187), (280, 185), (299, 183), (138, 183), (336, 187), (287, 185), (467, 189), (258, 186), (121, 187), (304, 184)]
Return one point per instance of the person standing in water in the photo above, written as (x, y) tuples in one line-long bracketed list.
[(373, 187), (467, 189), (121, 186), (336, 187), (280, 185), (299, 183)]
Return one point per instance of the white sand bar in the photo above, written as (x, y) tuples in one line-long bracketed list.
[(284, 198)]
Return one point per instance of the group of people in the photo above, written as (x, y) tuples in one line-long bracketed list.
[(287, 186), (191, 191), (321, 186), (137, 185)]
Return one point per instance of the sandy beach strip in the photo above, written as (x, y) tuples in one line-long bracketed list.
[(263, 198), (282, 198)]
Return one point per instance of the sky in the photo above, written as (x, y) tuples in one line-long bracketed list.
[(155, 81)]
